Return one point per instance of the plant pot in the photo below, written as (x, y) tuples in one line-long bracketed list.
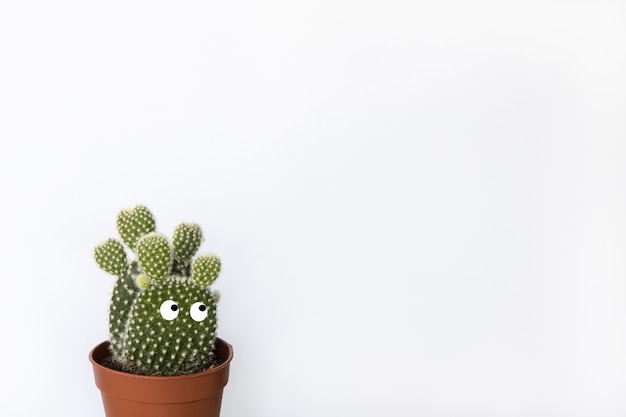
[(193, 395)]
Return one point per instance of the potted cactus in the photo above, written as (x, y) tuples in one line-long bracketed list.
[(163, 357)]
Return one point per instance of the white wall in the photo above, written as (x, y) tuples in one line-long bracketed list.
[(420, 206)]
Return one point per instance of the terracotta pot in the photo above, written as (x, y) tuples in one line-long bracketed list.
[(194, 395)]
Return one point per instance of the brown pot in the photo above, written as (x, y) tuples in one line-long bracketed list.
[(194, 395)]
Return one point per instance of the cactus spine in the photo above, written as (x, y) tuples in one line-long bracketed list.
[(162, 316)]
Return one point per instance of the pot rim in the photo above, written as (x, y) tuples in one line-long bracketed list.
[(103, 368)]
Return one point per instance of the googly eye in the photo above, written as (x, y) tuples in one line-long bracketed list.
[(169, 310), (198, 311)]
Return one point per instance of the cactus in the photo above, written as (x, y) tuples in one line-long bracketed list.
[(162, 316)]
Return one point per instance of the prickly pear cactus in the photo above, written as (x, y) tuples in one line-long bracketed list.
[(162, 316)]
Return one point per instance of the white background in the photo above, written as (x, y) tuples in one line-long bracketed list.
[(419, 206)]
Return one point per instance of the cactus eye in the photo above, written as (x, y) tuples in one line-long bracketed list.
[(169, 310), (198, 311)]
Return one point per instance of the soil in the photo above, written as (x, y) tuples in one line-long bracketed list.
[(110, 363)]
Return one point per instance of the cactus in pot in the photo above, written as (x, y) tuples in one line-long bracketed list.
[(162, 315)]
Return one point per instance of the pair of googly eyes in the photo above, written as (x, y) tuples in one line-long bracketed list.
[(169, 310)]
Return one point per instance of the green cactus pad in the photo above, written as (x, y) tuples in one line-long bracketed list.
[(110, 256), (186, 240), (154, 255), (164, 341), (205, 269), (124, 294), (133, 223)]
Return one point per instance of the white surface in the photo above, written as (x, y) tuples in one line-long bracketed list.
[(420, 206)]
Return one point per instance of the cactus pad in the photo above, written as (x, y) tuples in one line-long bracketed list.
[(133, 223), (111, 257), (154, 255), (186, 240), (174, 325), (206, 268)]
